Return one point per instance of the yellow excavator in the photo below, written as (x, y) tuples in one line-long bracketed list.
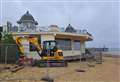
[(50, 54)]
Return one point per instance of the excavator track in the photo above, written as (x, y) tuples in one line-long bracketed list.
[(50, 63)]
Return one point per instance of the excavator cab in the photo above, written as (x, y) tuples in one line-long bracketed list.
[(51, 51), (50, 45), (51, 55)]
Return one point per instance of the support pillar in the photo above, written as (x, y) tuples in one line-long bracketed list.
[(72, 46), (82, 47)]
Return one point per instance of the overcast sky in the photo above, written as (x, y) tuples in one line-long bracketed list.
[(100, 18)]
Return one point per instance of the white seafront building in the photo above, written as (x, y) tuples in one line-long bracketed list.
[(72, 42)]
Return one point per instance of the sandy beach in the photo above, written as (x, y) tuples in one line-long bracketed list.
[(108, 71)]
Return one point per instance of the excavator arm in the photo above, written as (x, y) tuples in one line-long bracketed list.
[(32, 40), (18, 41)]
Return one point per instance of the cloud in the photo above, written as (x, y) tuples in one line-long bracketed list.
[(99, 18)]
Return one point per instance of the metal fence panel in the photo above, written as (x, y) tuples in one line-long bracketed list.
[(8, 53)]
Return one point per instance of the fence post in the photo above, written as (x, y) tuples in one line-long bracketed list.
[(6, 54)]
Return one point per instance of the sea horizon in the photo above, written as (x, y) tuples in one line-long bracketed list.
[(113, 51)]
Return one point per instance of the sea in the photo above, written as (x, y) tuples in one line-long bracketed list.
[(113, 51)]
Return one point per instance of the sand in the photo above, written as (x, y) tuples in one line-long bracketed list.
[(108, 71)]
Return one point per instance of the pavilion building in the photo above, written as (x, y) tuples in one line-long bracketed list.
[(71, 42)]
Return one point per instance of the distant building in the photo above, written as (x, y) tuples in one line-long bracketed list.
[(27, 23), (4, 28), (14, 29), (42, 28), (62, 29), (54, 28), (9, 26)]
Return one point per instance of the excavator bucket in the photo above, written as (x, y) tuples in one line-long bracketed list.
[(50, 63)]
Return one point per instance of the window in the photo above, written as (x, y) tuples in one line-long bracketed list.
[(76, 45), (64, 44)]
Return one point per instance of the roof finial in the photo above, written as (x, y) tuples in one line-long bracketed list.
[(27, 12)]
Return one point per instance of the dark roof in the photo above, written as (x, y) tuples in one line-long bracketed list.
[(27, 17), (69, 28)]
